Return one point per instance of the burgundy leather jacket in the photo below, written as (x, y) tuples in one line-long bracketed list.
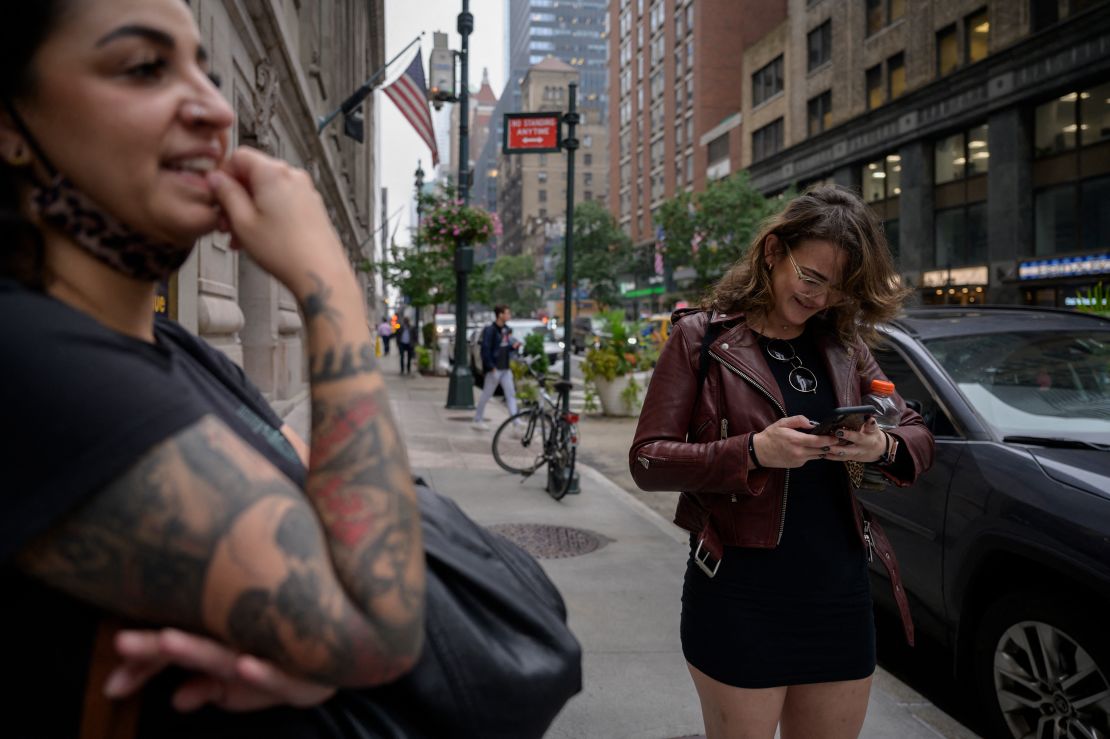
[(702, 449)]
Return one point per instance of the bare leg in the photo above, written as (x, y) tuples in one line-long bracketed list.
[(737, 713), (825, 710)]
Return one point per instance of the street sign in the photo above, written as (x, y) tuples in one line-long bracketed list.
[(532, 133)]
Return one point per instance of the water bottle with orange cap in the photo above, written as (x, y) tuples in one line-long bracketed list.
[(881, 397)]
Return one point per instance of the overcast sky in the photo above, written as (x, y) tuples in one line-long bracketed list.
[(399, 146)]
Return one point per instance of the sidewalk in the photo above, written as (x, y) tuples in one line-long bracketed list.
[(623, 597)]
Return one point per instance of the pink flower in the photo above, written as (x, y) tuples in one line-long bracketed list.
[(456, 231)]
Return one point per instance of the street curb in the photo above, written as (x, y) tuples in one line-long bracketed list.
[(630, 501)]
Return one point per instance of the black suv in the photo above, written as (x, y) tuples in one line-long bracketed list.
[(1004, 545)]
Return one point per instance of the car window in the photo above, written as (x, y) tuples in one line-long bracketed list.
[(913, 391), (1037, 383)]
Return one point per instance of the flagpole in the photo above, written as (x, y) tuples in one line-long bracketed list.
[(360, 94)]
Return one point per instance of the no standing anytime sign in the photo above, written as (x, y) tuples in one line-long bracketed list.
[(534, 133)]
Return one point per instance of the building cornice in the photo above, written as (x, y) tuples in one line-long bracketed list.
[(1038, 65)]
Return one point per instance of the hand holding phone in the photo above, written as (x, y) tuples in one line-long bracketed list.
[(849, 417)]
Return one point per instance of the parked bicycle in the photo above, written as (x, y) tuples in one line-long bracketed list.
[(540, 434)]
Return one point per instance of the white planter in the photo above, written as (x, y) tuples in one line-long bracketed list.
[(609, 394)]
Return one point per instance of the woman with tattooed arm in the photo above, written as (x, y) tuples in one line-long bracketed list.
[(145, 478)]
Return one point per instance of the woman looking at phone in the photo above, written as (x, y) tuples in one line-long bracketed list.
[(145, 477), (777, 626)]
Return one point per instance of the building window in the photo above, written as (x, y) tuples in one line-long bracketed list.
[(1056, 221), (948, 52), (961, 155), (961, 235), (890, 230), (819, 116), (881, 13), (588, 195), (819, 46), (588, 141), (543, 196), (874, 12), (588, 178), (767, 82), (543, 212), (895, 76), (767, 140), (1076, 119), (874, 87), (718, 149), (977, 29), (587, 159), (541, 176), (882, 179)]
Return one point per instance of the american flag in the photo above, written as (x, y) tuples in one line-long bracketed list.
[(410, 94)]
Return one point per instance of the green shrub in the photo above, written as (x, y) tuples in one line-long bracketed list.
[(424, 358), (533, 347)]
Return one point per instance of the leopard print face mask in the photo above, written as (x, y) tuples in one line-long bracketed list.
[(63, 206)]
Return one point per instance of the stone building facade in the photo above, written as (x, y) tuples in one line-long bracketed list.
[(283, 63), (978, 130)]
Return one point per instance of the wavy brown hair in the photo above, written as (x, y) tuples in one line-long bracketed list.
[(830, 213)]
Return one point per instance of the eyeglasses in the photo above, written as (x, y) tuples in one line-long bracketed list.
[(815, 287)]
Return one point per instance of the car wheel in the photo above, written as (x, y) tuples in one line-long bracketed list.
[(1042, 667)]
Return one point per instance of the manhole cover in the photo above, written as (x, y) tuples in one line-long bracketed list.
[(551, 542)]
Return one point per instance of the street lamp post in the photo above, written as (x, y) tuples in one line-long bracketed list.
[(419, 175), (460, 389), (570, 143)]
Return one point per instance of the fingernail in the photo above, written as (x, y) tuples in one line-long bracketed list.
[(813, 423), (114, 685), (840, 434), (824, 449), (216, 178)]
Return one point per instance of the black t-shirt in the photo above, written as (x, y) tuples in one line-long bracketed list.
[(80, 404)]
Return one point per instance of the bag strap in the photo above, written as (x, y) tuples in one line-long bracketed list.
[(712, 331), (103, 717)]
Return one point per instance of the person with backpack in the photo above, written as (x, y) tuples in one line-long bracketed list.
[(498, 348), (777, 627)]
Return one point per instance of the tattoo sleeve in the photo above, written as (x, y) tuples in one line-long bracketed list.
[(359, 480), (205, 534)]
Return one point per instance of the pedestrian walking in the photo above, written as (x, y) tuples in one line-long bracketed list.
[(404, 345), (149, 479), (385, 331), (498, 349), (777, 626)]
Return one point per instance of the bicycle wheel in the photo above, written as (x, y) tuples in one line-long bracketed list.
[(561, 456), (518, 443)]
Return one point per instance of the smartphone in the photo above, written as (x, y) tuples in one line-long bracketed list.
[(851, 417)]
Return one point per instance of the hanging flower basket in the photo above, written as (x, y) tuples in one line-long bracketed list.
[(450, 222)]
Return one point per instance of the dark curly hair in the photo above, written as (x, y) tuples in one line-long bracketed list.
[(26, 25), (827, 213)]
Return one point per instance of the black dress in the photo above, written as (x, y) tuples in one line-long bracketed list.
[(801, 612)]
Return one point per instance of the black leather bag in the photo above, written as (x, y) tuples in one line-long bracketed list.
[(498, 659)]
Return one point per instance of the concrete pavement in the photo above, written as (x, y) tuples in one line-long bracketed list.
[(622, 598)]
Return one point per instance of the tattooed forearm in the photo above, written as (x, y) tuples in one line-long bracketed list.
[(358, 480), (361, 486), (204, 534), (317, 304), (338, 363)]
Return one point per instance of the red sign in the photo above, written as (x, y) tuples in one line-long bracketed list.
[(532, 132)]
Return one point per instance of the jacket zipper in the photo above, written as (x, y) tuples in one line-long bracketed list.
[(724, 435), (786, 483), (868, 540)]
